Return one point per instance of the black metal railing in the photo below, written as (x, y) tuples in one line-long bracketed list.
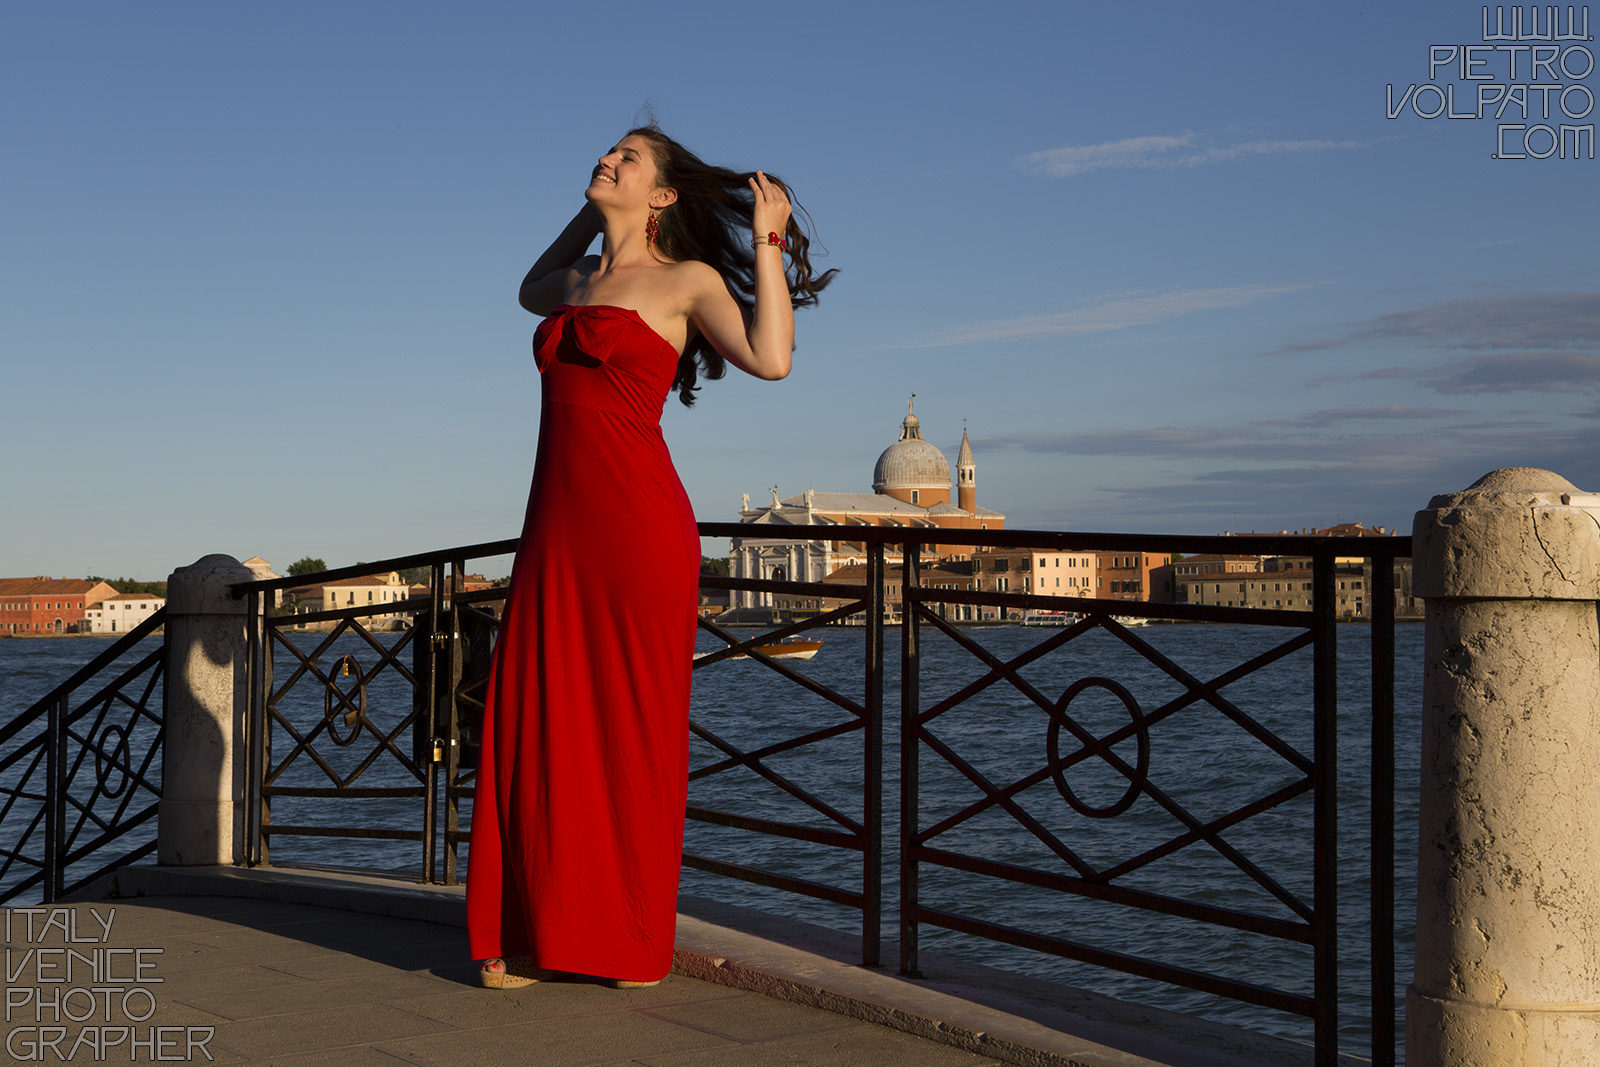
[(363, 742), (1299, 916), (362, 719), (318, 739), (860, 836), (80, 773)]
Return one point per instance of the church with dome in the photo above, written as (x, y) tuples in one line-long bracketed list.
[(911, 487)]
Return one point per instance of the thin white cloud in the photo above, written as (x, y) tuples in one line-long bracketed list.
[(1119, 313), (1132, 152), (1188, 149)]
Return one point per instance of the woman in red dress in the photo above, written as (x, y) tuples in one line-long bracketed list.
[(577, 823)]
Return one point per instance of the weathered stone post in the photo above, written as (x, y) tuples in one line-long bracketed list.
[(203, 762), (1508, 895)]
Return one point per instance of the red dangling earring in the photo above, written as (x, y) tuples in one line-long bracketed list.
[(652, 229)]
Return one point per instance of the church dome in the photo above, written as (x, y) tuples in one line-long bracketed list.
[(911, 462)]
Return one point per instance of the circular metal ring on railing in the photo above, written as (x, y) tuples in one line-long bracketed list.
[(119, 756), (354, 714), (1141, 769)]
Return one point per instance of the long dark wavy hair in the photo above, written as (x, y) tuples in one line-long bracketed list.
[(711, 222)]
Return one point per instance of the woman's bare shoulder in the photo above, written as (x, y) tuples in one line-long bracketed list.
[(698, 280)]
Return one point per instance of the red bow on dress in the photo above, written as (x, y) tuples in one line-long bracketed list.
[(584, 334)]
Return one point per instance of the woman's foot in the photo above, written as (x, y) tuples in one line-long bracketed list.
[(623, 983), (509, 974)]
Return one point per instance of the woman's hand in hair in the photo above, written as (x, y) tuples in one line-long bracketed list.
[(771, 206)]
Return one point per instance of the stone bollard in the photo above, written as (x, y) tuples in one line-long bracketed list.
[(1508, 893), (203, 761)]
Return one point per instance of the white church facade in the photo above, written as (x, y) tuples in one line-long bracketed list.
[(911, 488)]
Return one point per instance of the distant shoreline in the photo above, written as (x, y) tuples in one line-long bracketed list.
[(28, 637)]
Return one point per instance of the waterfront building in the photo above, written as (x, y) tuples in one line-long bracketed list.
[(1284, 581), (120, 613), (364, 591), (911, 488), (1123, 575), (1287, 590), (43, 605), (1031, 570), (1211, 563)]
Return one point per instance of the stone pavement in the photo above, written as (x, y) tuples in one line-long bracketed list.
[(309, 966), (265, 982)]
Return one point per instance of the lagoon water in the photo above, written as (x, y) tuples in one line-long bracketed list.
[(1197, 757)]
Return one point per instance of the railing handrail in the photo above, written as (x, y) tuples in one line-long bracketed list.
[(1377, 546), (41, 706), (362, 570), (1380, 546)]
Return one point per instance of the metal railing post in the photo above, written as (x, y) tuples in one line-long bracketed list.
[(253, 717), (1325, 809), (872, 784), (263, 743), (55, 818), (443, 683), (909, 707), (1381, 601)]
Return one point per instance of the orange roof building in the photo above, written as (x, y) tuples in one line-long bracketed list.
[(40, 605)]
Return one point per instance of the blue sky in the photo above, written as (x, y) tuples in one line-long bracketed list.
[(1170, 263)]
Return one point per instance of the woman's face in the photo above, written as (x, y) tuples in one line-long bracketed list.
[(627, 173)]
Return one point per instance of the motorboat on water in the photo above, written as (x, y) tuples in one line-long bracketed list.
[(793, 648), (1049, 618)]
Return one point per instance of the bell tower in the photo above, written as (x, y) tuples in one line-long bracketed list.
[(966, 476)]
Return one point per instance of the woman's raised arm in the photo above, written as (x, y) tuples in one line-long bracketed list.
[(762, 342), (544, 287)]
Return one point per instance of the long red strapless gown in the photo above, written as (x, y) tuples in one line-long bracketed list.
[(577, 823)]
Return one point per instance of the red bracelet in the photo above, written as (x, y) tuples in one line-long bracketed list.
[(772, 238)]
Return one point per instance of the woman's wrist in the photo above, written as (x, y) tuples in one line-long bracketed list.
[(772, 239)]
